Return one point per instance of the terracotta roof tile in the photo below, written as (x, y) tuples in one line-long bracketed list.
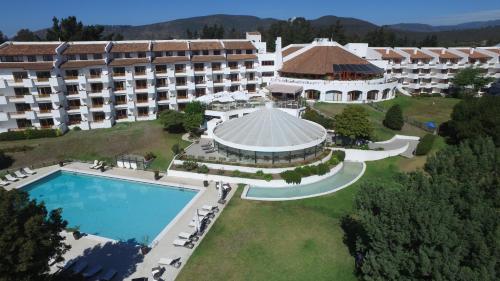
[(319, 60), (494, 50), (207, 58), (390, 54), (253, 33), (474, 54), (170, 59), (129, 47), (239, 45), (242, 57), (127, 62), (444, 54), (28, 49), (84, 49), (170, 46), (82, 63), (416, 54), (290, 50), (28, 65), (205, 45)]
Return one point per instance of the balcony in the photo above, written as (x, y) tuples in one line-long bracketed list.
[(28, 83), (3, 84), (4, 116)]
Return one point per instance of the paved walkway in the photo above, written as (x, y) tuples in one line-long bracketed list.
[(396, 143), (125, 257)]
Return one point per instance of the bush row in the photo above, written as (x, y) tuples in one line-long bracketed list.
[(295, 176), (425, 144), (29, 134)]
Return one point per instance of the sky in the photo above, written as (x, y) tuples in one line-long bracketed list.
[(37, 14)]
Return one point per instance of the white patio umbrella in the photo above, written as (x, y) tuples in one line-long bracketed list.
[(224, 98), (206, 98), (241, 96)]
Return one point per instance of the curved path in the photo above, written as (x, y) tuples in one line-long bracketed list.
[(350, 173)]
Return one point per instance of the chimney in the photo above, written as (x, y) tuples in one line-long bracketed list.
[(279, 57)]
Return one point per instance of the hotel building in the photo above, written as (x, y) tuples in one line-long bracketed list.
[(97, 84)]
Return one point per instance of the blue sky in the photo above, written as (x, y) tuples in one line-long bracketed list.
[(36, 14)]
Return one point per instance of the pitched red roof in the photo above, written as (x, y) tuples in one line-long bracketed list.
[(170, 46), (290, 50), (389, 54), (129, 47), (84, 49), (28, 49), (28, 65), (417, 54)]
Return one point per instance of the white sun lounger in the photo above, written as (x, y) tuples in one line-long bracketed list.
[(99, 165), (92, 271), (96, 163), (204, 213), (210, 208), (226, 186), (175, 262), (126, 164), (120, 164), (10, 178), (188, 236), (80, 266), (29, 171), (108, 275), (133, 165), (4, 183), (183, 243), (20, 175)]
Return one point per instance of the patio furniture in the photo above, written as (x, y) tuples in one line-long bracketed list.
[(205, 213), (20, 175), (188, 236), (108, 275), (157, 272), (10, 178), (92, 271), (133, 165), (183, 243), (120, 164), (80, 266), (3, 183), (29, 171), (126, 164), (210, 208), (210, 151), (99, 165), (96, 163), (140, 279), (175, 262)]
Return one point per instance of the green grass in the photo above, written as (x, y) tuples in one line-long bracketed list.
[(136, 138), (294, 240), (421, 109)]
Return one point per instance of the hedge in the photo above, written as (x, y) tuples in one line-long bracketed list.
[(425, 144), (29, 134), (295, 176)]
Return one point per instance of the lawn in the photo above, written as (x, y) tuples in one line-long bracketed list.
[(294, 240), (421, 109), (135, 138)]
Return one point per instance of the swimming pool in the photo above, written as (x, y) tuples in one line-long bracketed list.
[(109, 207)]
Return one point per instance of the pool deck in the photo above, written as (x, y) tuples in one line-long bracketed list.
[(125, 257)]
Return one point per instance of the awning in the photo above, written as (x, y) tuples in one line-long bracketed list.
[(284, 88)]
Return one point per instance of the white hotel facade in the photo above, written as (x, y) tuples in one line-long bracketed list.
[(97, 84)]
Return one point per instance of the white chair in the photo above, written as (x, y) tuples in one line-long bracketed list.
[(3, 183), (210, 208), (29, 171), (126, 164), (10, 178), (120, 164), (99, 165), (96, 163), (175, 262), (183, 243), (188, 235), (133, 165), (20, 175)]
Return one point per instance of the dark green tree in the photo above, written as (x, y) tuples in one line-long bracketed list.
[(314, 116), (26, 35), (172, 120), (474, 117), (5, 160), (469, 81), (441, 225), (70, 29), (394, 118), (29, 237), (3, 38), (353, 123)]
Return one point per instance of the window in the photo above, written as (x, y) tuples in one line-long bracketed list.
[(205, 52), (118, 71), (199, 67), (141, 54), (200, 92), (47, 57), (199, 79), (142, 111), (83, 56), (180, 68), (12, 59), (98, 56), (128, 55), (42, 75), (249, 64), (45, 107), (97, 102), (232, 64), (117, 55), (71, 57), (233, 88), (158, 54), (161, 69), (21, 92), (180, 81), (267, 74), (119, 86), (218, 89), (182, 94), (181, 54), (98, 116), (120, 99), (71, 74), (19, 76), (95, 72), (44, 91), (233, 77), (142, 98), (249, 52), (161, 82), (216, 66), (46, 123), (23, 123), (141, 84), (96, 87), (121, 114), (267, 62), (32, 58), (72, 89), (229, 52), (195, 53), (250, 76), (74, 119), (168, 54), (162, 96), (238, 52), (22, 107), (216, 52), (74, 104), (140, 70), (251, 88), (218, 78)]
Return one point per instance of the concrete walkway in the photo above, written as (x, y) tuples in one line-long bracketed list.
[(126, 257), (395, 143)]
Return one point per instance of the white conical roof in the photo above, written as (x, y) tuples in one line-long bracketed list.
[(269, 130)]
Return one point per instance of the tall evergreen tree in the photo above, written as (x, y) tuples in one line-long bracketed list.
[(394, 118), (26, 35)]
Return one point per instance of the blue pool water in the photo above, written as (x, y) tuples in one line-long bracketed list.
[(108, 207)]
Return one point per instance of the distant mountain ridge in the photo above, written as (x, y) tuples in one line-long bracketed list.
[(418, 27)]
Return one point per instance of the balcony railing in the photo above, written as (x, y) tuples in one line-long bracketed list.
[(42, 79)]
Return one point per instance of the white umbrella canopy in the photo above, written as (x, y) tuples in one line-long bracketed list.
[(206, 98), (224, 99), (241, 96)]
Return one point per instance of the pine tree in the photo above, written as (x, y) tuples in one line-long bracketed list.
[(394, 118)]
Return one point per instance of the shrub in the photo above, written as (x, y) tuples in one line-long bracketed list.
[(76, 128), (236, 173), (259, 173), (189, 165), (177, 149), (267, 177), (203, 169), (339, 154), (425, 144), (5, 160), (291, 177), (394, 118), (322, 169), (333, 161), (28, 134)]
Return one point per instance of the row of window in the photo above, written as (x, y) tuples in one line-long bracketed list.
[(30, 58)]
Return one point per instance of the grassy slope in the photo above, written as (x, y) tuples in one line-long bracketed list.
[(295, 240), (421, 109), (132, 138)]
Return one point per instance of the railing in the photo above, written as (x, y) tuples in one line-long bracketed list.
[(234, 106), (337, 82)]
